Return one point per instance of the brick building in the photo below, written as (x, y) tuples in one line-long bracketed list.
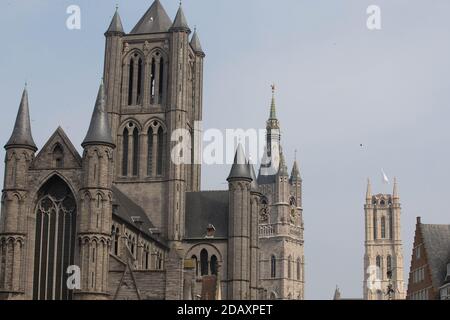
[(429, 275)]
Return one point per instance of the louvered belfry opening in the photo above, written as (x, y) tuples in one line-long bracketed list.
[(56, 214)]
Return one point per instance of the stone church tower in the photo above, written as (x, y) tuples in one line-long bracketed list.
[(161, 72), (281, 219), (383, 259)]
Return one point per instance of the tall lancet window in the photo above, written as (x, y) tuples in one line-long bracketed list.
[(130, 82), (54, 241), (378, 263), (161, 80), (214, 265), (383, 228), (135, 152), (160, 152), (150, 141), (391, 228), (389, 263), (153, 81), (139, 82), (125, 152), (273, 266), (204, 264)]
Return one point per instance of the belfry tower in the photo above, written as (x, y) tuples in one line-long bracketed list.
[(383, 259), (280, 219)]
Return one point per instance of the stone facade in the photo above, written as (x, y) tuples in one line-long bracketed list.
[(383, 259), (134, 222)]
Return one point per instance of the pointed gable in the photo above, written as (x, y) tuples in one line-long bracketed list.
[(154, 20), (70, 156)]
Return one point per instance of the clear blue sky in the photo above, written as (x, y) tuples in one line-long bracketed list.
[(340, 85)]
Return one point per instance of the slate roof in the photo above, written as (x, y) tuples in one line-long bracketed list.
[(204, 208), (195, 43), (21, 135), (180, 22), (116, 24), (154, 20), (125, 209), (436, 240), (99, 129), (240, 169)]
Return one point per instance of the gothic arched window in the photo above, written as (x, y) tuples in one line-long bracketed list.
[(383, 228), (135, 152), (375, 227), (389, 263), (160, 152), (378, 263), (150, 142), (299, 269), (130, 82), (125, 152), (115, 239), (139, 82), (152, 81), (391, 224), (54, 240), (273, 266), (204, 262), (214, 265), (161, 80)]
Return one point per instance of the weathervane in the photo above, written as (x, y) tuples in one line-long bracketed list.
[(273, 87)]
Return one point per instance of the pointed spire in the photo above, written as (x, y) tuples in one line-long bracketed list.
[(295, 174), (273, 122), (21, 135), (337, 294), (180, 22), (99, 130), (283, 170), (116, 26), (369, 191), (155, 20), (395, 194), (195, 43), (240, 168), (273, 111)]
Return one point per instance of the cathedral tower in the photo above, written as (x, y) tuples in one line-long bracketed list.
[(383, 259), (20, 151), (96, 204), (154, 83)]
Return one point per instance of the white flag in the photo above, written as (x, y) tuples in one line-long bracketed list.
[(385, 178)]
